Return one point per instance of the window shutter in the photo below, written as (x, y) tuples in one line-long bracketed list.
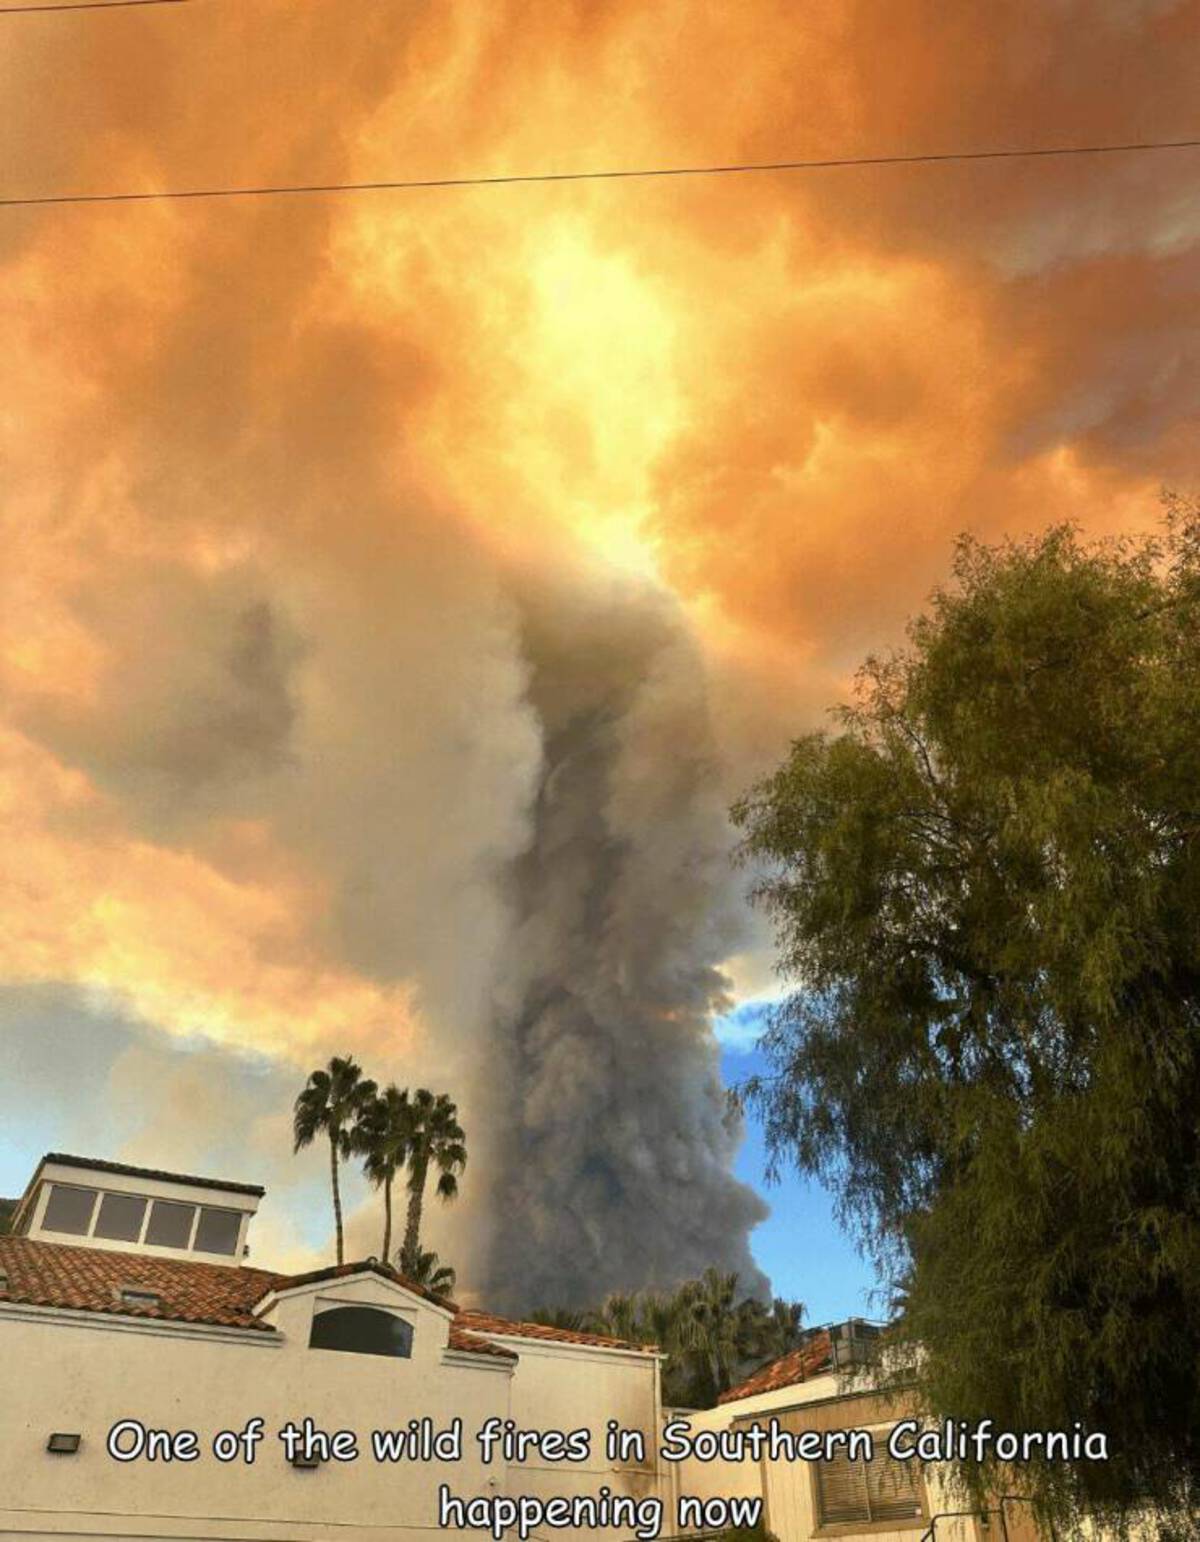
[(892, 1488), (841, 1491), (883, 1489)]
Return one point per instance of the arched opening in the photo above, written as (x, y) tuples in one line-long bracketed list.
[(361, 1330)]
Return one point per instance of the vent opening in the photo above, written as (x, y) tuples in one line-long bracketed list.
[(137, 1295)]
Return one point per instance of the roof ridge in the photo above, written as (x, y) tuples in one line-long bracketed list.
[(522, 1328), (373, 1266), (132, 1170)]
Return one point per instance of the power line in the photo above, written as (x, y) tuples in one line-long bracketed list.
[(84, 5), (292, 189)]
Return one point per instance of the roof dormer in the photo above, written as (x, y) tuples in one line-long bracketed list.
[(111, 1205)]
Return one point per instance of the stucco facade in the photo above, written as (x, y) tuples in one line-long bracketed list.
[(823, 1400), (82, 1363)]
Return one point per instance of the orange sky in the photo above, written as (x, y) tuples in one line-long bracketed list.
[(285, 480)]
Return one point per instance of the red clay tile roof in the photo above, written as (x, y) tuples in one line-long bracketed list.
[(488, 1322), (88, 1279), (364, 1266), (798, 1365), (473, 1344)]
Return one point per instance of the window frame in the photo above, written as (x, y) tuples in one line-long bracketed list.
[(52, 1189), (222, 1210), (120, 1194), (233, 1218), (174, 1204), (334, 1308), (867, 1526)]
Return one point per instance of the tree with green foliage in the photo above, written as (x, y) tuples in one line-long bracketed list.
[(986, 885), (331, 1104), (624, 1316), (436, 1276), (573, 1319), (435, 1140), (765, 1333), (711, 1336), (706, 1329), (8, 1208), (381, 1137)]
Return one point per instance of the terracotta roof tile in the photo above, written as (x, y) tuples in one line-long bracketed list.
[(488, 1322), (473, 1344), (88, 1279), (365, 1266), (813, 1357)]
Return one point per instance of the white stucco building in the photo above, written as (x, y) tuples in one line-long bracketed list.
[(827, 1385), (123, 1296)]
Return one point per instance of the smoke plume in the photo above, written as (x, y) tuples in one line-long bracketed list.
[(396, 587), (615, 1149)]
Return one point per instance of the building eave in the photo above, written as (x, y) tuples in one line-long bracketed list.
[(524, 1343), (313, 1284), (264, 1337)]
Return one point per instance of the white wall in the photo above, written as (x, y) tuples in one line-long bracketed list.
[(83, 1373), (87, 1376), (569, 1386), (707, 1480), (787, 1488)]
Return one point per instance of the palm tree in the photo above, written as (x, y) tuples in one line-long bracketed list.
[(766, 1332), (707, 1326), (381, 1135), (574, 1319), (436, 1276), (620, 1316), (709, 1337), (657, 1324), (330, 1104), (787, 1325), (435, 1139)]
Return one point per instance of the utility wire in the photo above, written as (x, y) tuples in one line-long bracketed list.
[(286, 189), (84, 5)]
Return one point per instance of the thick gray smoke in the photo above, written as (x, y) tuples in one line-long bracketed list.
[(296, 740), (614, 1146), (509, 788)]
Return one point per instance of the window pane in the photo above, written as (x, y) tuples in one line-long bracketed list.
[(892, 1488), (69, 1209), (217, 1231), (361, 1330), (120, 1217), (841, 1491), (170, 1224)]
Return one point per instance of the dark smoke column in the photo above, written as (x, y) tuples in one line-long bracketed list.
[(614, 1168)]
